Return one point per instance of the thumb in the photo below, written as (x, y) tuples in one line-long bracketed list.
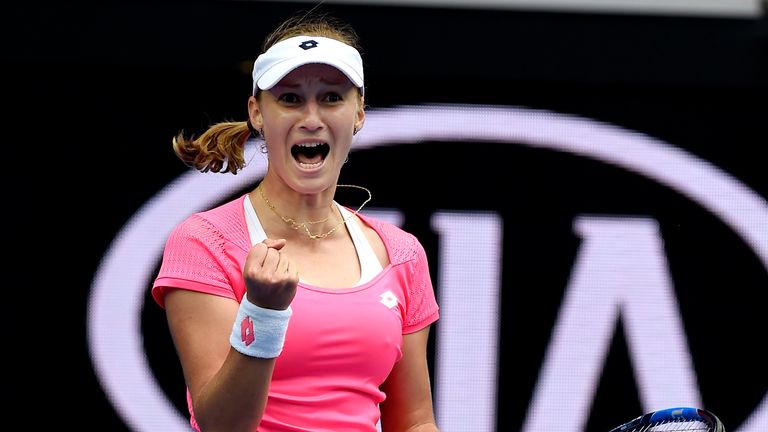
[(275, 243)]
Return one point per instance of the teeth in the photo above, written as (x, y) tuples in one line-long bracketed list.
[(309, 165), (314, 144)]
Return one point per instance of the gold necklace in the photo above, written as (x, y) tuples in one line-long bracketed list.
[(297, 225)]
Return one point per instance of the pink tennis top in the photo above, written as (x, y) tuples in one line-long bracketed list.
[(341, 343)]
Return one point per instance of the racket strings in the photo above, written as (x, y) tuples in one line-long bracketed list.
[(677, 426)]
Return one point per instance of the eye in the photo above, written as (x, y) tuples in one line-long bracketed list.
[(289, 98), (332, 97)]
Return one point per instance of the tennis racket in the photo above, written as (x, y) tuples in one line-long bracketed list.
[(674, 419)]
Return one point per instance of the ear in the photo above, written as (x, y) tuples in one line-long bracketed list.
[(360, 115), (254, 113)]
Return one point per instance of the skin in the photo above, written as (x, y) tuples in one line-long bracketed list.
[(229, 390)]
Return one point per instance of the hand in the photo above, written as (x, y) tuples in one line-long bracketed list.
[(270, 278)]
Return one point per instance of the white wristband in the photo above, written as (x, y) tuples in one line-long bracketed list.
[(259, 332)]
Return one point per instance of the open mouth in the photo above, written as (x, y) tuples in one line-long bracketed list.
[(311, 154)]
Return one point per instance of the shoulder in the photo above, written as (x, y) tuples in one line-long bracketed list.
[(229, 211), (223, 221), (411, 269), (402, 246)]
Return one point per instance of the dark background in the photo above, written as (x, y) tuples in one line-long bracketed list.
[(94, 92)]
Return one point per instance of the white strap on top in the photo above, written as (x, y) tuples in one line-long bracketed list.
[(255, 230), (369, 262)]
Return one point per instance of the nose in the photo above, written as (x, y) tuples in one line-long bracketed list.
[(312, 118)]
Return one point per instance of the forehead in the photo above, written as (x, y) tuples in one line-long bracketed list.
[(314, 72)]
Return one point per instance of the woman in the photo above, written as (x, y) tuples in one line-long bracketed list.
[(289, 311)]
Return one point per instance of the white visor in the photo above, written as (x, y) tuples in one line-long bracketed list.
[(283, 57)]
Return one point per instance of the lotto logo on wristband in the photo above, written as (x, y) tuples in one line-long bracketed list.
[(246, 331), (272, 325)]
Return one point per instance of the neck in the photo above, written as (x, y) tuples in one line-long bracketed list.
[(314, 225)]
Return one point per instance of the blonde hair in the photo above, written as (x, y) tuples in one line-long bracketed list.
[(221, 147)]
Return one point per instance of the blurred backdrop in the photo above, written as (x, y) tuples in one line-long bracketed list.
[(589, 180)]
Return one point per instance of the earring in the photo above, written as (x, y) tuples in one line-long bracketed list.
[(263, 145)]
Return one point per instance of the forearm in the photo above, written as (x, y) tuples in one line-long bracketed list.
[(234, 399), (429, 427), (421, 427)]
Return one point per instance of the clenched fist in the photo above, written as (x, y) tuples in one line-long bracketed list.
[(270, 279)]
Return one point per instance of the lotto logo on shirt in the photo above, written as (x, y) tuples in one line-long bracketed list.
[(388, 299)]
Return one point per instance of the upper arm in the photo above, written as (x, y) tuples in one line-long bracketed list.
[(200, 325), (408, 403)]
